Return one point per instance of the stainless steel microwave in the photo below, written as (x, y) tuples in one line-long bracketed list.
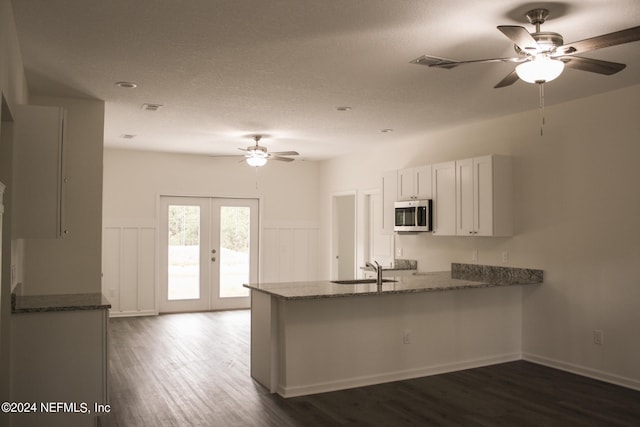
[(413, 215)]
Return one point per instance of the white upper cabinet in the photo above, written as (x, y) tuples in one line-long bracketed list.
[(444, 198), (389, 197), (415, 183), (483, 196), (38, 172), (471, 197)]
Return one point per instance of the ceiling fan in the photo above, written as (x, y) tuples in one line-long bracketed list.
[(257, 155), (543, 55)]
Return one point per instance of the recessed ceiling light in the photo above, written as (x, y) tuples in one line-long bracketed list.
[(386, 130), (343, 108), (127, 85)]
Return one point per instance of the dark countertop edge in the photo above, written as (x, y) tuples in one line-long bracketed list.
[(61, 302), (479, 285)]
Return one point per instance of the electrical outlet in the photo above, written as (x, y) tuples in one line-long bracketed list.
[(406, 337), (505, 256), (474, 255), (598, 337), (398, 252)]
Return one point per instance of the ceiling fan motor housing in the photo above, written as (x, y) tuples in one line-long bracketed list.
[(547, 40), (257, 150)]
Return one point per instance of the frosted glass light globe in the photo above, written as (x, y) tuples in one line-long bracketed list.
[(540, 69), (256, 161)]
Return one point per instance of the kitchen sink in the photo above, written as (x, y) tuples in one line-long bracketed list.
[(360, 281)]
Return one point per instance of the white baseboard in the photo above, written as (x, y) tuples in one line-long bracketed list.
[(584, 371), (363, 381), (132, 313)]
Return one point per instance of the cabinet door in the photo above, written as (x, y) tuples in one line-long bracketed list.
[(422, 179), (389, 196), (59, 356), (483, 196), (444, 199), (464, 198), (38, 155), (406, 184), (415, 183)]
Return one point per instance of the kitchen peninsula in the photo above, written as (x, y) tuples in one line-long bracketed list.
[(311, 337)]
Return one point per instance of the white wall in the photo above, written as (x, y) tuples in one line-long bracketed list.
[(576, 209), (133, 182), (13, 88)]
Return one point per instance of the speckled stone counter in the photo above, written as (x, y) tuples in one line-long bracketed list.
[(490, 273), (70, 302), (462, 276)]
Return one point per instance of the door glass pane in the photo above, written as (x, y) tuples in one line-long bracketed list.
[(234, 250), (184, 252)]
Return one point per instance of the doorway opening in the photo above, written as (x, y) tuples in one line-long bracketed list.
[(343, 236)]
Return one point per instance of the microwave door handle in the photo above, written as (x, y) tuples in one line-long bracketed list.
[(417, 218)]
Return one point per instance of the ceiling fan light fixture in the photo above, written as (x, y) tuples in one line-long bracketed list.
[(540, 69), (256, 161)]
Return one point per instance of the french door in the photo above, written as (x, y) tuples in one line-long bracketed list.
[(208, 250)]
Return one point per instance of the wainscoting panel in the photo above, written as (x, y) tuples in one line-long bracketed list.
[(289, 253), (111, 266), (129, 267)]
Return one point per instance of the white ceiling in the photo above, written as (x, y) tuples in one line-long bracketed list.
[(226, 69)]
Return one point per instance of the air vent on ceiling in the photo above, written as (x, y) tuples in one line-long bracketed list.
[(151, 107), (127, 136)]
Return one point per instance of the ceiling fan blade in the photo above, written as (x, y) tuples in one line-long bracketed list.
[(510, 79), (520, 36), (285, 153), (593, 65), (225, 155), (612, 39), (452, 64), (432, 61), (282, 159)]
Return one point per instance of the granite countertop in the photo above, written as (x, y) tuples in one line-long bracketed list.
[(462, 276), (69, 302)]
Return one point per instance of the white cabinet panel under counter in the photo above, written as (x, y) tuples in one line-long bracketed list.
[(59, 356)]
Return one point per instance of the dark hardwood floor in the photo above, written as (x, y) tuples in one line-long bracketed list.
[(193, 370)]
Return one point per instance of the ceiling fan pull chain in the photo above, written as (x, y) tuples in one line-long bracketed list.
[(541, 85), (256, 168)]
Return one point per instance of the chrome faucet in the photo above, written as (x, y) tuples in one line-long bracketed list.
[(378, 269)]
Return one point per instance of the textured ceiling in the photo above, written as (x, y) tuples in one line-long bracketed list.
[(226, 69)]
